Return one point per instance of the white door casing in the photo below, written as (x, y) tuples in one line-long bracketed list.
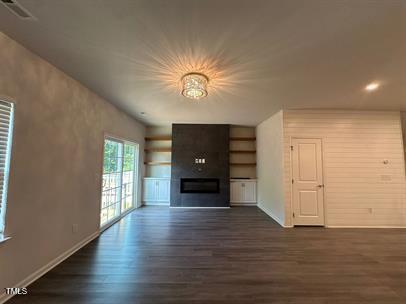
[(307, 182)]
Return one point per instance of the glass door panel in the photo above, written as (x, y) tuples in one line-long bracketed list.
[(120, 165), (127, 201)]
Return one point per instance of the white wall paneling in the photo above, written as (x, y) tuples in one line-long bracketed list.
[(363, 157)]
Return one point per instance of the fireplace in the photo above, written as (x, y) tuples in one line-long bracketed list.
[(199, 185), (200, 172)]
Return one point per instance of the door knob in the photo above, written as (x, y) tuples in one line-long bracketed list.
[(320, 186)]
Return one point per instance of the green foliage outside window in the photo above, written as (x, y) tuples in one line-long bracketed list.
[(112, 156)]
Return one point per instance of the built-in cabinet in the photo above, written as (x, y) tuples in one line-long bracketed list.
[(243, 192), (156, 191)]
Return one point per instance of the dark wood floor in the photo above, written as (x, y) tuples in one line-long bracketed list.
[(161, 255)]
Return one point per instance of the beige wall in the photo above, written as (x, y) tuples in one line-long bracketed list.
[(270, 168), (360, 189), (56, 162)]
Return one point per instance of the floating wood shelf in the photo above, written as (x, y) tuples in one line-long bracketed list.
[(243, 164), (243, 151), (157, 163), (158, 150), (151, 138), (243, 138)]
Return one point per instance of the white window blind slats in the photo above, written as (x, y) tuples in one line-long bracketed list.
[(6, 126)]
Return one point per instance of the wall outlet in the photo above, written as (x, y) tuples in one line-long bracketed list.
[(75, 228)]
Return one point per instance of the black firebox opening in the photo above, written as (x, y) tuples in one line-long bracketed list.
[(199, 185)]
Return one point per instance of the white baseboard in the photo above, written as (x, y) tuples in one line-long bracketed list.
[(174, 207), (44, 269), (380, 227), (155, 203), (273, 216), (243, 204)]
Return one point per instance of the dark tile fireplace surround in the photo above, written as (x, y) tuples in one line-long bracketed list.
[(200, 165)]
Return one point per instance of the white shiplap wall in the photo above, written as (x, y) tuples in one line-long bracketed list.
[(360, 190)]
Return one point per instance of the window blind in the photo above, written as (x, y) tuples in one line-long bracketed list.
[(6, 127)]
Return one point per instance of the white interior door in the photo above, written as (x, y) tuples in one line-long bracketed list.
[(307, 182)]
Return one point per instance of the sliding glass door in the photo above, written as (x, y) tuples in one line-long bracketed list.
[(120, 176)]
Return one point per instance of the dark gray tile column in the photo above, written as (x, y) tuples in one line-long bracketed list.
[(211, 142)]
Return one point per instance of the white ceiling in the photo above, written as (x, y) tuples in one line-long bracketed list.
[(260, 56)]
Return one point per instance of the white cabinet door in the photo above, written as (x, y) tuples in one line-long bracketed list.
[(243, 192), (250, 192), (163, 191), (156, 191), (235, 192), (150, 190)]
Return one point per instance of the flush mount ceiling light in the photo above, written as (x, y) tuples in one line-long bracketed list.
[(372, 86), (194, 85)]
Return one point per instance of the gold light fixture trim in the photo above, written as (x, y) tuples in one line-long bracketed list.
[(194, 85)]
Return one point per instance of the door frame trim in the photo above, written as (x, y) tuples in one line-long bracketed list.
[(322, 170)]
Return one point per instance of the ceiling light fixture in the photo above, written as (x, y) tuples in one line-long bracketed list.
[(194, 85), (372, 86)]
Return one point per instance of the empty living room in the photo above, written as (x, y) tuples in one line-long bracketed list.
[(202, 151)]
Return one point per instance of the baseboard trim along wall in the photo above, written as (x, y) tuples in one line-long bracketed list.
[(243, 204), (155, 204), (273, 216), (173, 207), (44, 269), (368, 227)]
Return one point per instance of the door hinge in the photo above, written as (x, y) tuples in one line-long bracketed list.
[(291, 148)]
